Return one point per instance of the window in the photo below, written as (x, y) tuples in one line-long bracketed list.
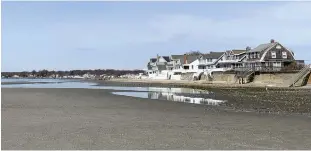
[(284, 54), (258, 55), (277, 64), (273, 54), (251, 56), (192, 66)]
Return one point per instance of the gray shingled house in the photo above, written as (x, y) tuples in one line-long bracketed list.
[(269, 56)]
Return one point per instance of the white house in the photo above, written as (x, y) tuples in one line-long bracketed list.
[(231, 59), (157, 67)]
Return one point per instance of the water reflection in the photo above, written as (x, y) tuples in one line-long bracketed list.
[(208, 99)]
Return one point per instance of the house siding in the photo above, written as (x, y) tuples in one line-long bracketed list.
[(268, 56), (256, 54)]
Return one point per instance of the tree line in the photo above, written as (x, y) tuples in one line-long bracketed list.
[(47, 73)]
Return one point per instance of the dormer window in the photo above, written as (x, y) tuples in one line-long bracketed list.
[(284, 55), (273, 54)]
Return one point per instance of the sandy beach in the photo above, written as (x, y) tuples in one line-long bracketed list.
[(96, 119)]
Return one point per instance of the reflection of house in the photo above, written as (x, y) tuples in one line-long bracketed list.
[(175, 95)]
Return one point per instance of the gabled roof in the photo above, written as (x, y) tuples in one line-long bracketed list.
[(215, 55), (153, 60), (263, 47), (236, 51), (176, 57), (190, 58), (166, 58)]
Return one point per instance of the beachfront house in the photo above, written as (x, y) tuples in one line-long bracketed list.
[(232, 59), (158, 67), (186, 63), (269, 56)]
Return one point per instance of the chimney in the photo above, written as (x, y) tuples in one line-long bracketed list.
[(185, 59), (272, 41), (158, 57)]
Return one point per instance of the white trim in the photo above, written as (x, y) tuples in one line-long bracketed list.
[(265, 53)]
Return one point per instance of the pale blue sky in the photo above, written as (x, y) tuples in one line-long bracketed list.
[(124, 35)]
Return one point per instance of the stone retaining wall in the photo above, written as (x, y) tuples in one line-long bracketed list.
[(273, 78), (220, 77)]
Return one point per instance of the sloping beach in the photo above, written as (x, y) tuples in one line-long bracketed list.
[(96, 119)]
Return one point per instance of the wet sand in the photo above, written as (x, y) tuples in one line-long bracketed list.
[(96, 119), (255, 99)]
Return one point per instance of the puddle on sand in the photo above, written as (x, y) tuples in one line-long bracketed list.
[(172, 97)]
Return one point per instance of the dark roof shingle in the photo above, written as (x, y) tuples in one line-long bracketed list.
[(153, 60), (236, 52), (166, 58), (262, 47)]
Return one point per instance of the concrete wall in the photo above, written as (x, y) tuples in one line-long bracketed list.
[(269, 78), (175, 77), (281, 79), (220, 77)]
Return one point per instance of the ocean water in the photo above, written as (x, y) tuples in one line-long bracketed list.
[(185, 95)]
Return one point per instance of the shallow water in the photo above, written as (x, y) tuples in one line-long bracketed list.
[(47, 80), (159, 93), (172, 97)]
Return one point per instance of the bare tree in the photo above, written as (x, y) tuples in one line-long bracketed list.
[(194, 53)]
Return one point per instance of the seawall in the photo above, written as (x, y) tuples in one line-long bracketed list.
[(276, 79)]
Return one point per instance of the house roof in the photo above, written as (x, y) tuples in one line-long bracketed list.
[(176, 57), (236, 52), (166, 58), (190, 58), (263, 47), (215, 55), (153, 60)]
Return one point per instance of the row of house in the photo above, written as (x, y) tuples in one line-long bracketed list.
[(269, 56)]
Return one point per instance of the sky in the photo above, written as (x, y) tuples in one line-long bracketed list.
[(124, 35)]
